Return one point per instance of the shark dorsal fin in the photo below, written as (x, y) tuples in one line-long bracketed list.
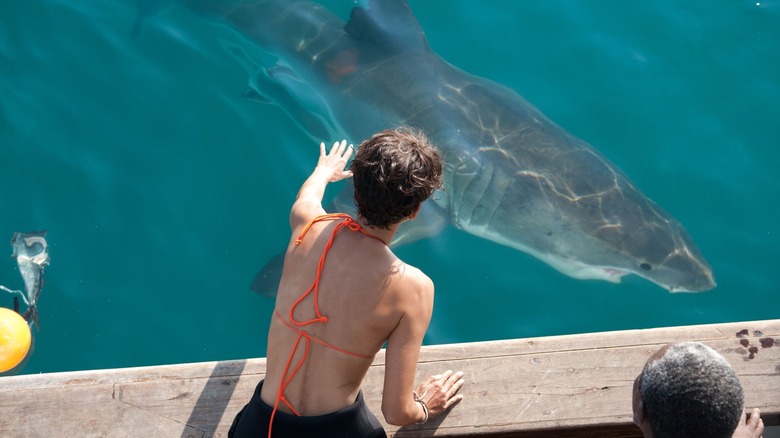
[(388, 25)]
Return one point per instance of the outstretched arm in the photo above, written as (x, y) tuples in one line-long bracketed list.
[(400, 405), (330, 168)]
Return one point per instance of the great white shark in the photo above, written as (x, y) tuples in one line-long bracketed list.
[(512, 175)]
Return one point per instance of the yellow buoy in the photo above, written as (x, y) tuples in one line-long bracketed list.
[(15, 339)]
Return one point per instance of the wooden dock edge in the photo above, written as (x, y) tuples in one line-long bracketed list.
[(574, 386)]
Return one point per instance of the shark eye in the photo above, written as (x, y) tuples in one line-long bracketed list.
[(646, 266)]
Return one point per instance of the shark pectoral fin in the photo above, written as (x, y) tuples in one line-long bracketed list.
[(429, 222), (280, 85), (266, 281)]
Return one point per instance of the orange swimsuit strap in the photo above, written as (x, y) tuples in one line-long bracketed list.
[(346, 221), (349, 223)]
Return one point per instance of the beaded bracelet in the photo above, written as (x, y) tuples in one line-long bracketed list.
[(418, 399)]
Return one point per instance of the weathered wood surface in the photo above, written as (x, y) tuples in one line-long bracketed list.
[(576, 385)]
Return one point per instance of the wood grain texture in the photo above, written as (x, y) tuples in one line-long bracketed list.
[(575, 386)]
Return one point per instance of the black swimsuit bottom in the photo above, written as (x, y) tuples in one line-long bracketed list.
[(354, 421)]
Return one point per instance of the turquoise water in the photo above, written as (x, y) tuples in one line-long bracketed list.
[(164, 191)]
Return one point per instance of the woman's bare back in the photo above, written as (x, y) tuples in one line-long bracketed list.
[(358, 294)]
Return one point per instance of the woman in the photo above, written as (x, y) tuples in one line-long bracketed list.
[(344, 294)]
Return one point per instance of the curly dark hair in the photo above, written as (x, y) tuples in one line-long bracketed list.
[(691, 391), (394, 171)]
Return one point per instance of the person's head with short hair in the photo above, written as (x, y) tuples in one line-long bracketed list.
[(394, 171), (687, 390)]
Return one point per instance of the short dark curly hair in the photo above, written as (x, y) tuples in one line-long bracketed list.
[(691, 391), (394, 171)]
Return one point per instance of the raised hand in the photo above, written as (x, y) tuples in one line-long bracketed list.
[(336, 160)]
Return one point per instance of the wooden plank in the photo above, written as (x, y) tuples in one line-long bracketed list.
[(575, 385), (80, 411), (585, 380)]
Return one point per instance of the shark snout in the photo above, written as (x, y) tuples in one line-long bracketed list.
[(684, 272)]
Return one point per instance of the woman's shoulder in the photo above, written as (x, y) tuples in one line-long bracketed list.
[(304, 211), (410, 279)]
